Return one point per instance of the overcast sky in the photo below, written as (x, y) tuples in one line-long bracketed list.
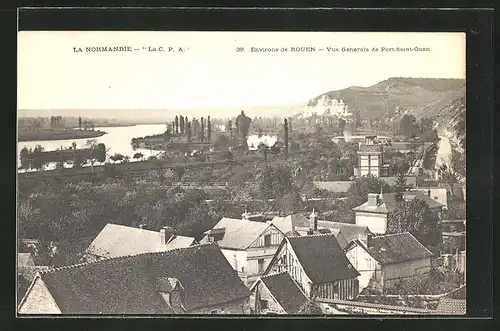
[(210, 73)]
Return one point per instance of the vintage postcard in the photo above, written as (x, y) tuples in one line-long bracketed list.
[(241, 173)]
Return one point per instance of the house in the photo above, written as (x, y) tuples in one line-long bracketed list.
[(373, 213), (384, 260), (370, 157), (118, 240), (193, 280), (276, 293), (25, 260), (318, 265), (437, 193), (248, 246)]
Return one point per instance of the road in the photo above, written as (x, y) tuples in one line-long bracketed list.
[(444, 151)]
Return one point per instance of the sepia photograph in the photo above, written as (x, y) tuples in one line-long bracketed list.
[(241, 173)]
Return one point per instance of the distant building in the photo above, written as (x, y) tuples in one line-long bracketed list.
[(248, 246), (276, 293), (382, 261), (318, 265), (118, 240), (348, 231), (374, 212), (299, 225), (333, 186), (193, 280), (370, 157)]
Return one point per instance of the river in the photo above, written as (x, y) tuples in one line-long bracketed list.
[(117, 140)]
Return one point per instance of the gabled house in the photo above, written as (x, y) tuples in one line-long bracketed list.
[(193, 280), (248, 246), (318, 265), (276, 293), (118, 240), (383, 261), (373, 213)]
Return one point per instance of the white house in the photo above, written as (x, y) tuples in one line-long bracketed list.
[(374, 212), (382, 261), (248, 246)]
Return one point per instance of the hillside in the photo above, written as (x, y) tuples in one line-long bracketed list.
[(424, 96), (451, 121)]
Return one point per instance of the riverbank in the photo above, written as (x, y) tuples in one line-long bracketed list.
[(45, 135)]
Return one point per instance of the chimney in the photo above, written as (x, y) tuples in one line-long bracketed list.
[(373, 199), (365, 238), (313, 218), (142, 226), (166, 234)]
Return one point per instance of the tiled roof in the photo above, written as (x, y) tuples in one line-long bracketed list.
[(286, 291), (388, 202), (128, 285), (239, 234), (25, 260), (118, 240), (349, 231), (335, 186), (447, 306), (322, 258), (395, 248)]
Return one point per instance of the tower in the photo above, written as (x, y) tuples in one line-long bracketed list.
[(370, 157)]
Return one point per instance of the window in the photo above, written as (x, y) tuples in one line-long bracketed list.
[(263, 305), (261, 265), (210, 239), (267, 240)]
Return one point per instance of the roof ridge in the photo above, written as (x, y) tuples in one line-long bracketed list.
[(392, 234), (274, 274), (123, 257)]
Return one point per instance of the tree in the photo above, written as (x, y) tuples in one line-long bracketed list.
[(400, 183), (117, 157), (176, 124), (181, 124), (209, 130), (202, 130), (414, 216), (276, 182), (92, 155), (357, 193), (448, 174), (24, 156), (189, 132), (264, 149), (138, 156), (38, 158), (285, 128), (80, 123), (290, 203), (310, 308)]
